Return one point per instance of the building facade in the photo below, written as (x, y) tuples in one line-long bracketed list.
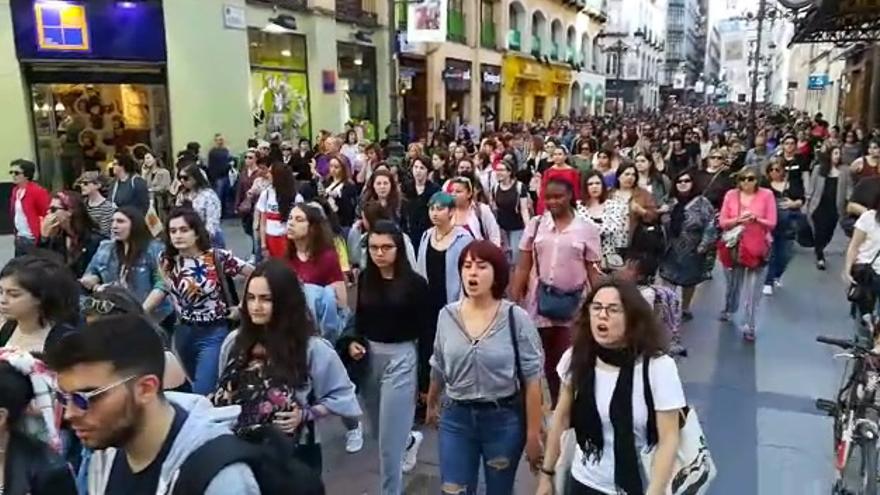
[(634, 43), (712, 63), (685, 50)]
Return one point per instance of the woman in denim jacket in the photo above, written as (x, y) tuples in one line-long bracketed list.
[(130, 259)]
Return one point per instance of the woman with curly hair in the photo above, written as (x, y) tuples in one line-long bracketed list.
[(311, 251)]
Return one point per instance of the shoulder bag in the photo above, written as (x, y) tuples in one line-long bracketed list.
[(554, 303), (865, 279), (693, 469)]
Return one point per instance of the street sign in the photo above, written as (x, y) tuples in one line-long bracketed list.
[(817, 81)]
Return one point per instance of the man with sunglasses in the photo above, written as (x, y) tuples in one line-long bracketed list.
[(28, 204), (797, 166), (110, 385)]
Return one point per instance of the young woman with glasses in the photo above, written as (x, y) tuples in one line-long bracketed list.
[(196, 193), (69, 231), (488, 361), (603, 398), (826, 202), (691, 230), (131, 259), (751, 210), (392, 319), (789, 201), (198, 278)]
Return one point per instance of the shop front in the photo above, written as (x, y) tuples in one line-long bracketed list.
[(414, 94), (490, 96), (279, 84), (95, 80), (357, 87), (457, 80), (533, 91)]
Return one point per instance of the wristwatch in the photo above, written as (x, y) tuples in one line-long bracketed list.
[(549, 472)]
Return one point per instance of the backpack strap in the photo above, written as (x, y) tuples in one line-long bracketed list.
[(520, 379), (204, 463), (649, 401)]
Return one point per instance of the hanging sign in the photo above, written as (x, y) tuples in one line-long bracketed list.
[(426, 21), (61, 26)]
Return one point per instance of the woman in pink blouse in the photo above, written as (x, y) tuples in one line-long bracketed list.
[(748, 216)]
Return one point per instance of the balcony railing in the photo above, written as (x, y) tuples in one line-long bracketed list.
[(456, 27), (487, 35), (361, 12), (514, 40)]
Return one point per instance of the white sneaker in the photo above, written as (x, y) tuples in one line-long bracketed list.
[(410, 457), (768, 290), (778, 282), (354, 439)]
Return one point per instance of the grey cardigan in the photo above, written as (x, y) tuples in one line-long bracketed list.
[(817, 186)]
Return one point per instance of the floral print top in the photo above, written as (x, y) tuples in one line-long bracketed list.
[(613, 225), (197, 288), (206, 203)]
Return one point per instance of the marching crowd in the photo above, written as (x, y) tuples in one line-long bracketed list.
[(522, 290)]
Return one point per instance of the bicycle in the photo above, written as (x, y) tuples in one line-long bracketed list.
[(856, 420)]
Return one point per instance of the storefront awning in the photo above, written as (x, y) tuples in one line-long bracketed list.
[(842, 21)]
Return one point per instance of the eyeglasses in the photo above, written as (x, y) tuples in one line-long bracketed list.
[(15, 173), (382, 248), (82, 400), (91, 305), (750, 178), (610, 309), (683, 181)]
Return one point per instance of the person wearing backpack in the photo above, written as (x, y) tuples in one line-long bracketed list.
[(278, 368), (474, 216), (109, 379), (510, 200)]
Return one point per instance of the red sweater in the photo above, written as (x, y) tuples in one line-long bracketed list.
[(568, 174), (35, 204)]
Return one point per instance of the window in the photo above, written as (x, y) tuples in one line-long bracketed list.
[(61, 26)]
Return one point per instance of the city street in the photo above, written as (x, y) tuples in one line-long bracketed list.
[(755, 401)]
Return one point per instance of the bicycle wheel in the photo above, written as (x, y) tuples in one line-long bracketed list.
[(859, 476)]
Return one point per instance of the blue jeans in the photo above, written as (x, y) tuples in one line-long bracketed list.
[(199, 350), (780, 255), (222, 187), (510, 240), (485, 435)]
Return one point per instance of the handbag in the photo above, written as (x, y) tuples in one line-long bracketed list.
[(743, 245), (693, 468), (865, 280), (554, 303), (228, 292)]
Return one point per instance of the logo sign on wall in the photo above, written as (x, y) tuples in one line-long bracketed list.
[(678, 81), (426, 21), (61, 26), (817, 81)]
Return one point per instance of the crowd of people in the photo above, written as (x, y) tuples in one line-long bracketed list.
[(479, 285)]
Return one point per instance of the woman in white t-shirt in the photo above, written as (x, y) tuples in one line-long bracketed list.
[(274, 207), (864, 249), (603, 398)]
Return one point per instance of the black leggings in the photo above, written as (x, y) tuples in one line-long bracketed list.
[(576, 488)]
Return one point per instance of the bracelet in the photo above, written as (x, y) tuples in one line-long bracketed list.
[(549, 472)]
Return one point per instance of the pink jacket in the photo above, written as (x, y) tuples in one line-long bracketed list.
[(763, 206)]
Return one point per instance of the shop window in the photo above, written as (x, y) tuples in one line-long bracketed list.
[(279, 85), (357, 84)]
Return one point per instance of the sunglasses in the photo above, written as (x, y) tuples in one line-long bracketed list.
[(775, 169), (82, 400), (15, 172), (750, 178)]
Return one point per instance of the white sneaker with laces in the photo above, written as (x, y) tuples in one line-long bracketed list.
[(354, 439), (768, 290), (410, 457)]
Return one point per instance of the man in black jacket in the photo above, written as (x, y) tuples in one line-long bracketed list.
[(219, 163)]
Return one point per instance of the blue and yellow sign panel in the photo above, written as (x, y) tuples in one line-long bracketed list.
[(61, 26)]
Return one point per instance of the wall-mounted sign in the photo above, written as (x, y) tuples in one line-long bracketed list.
[(490, 76), (234, 17), (61, 26), (426, 21), (817, 81)]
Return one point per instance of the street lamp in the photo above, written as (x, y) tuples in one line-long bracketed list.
[(619, 48)]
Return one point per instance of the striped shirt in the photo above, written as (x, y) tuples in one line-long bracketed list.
[(102, 215)]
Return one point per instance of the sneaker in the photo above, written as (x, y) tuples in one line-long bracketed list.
[(676, 349), (778, 283), (687, 316), (354, 439), (768, 290), (748, 334), (725, 316), (820, 265), (410, 457)]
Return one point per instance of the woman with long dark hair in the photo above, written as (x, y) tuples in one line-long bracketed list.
[(616, 336), (38, 298), (311, 250), (651, 180), (608, 215), (129, 188), (417, 194), (196, 276), (640, 203), (691, 236), (274, 207), (391, 318), (196, 193), (826, 200), (789, 201), (488, 359), (277, 368), (131, 259), (474, 216), (510, 201), (69, 231), (440, 169), (340, 191), (383, 187)]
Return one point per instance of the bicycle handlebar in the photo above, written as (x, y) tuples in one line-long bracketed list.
[(842, 343)]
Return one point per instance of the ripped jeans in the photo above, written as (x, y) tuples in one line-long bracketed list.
[(480, 435)]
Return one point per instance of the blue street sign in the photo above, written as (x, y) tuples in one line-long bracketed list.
[(817, 81)]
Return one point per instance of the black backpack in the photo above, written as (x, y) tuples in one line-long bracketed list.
[(270, 455)]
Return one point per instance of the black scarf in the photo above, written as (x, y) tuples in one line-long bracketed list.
[(588, 424), (677, 216)]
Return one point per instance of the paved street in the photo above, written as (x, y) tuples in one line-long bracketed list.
[(755, 401)]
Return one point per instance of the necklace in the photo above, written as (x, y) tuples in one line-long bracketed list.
[(444, 236)]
